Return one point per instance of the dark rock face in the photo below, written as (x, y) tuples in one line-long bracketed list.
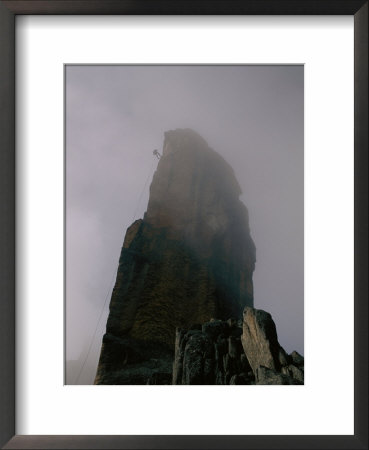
[(189, 259), (130, 361), (212, 355), (294, 372), (269, 376), (297, 359)]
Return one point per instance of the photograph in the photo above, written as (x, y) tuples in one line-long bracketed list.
[(184, 224)]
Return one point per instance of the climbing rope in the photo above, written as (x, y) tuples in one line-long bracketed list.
[(111, 282), (143, 190), (96, 328)]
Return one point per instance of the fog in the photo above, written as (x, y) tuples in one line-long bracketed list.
[(116, 116)]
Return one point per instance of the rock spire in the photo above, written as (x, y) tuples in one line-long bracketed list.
[(190, 259)]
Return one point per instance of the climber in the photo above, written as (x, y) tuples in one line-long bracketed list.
[(156, 153)]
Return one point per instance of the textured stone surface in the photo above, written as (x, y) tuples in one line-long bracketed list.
[(297, 359), (129, 361), (259, 340), (212, 355), (190, 258), (268, 360), (269, 376), (294, 372)]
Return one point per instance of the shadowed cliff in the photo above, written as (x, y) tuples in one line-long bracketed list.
[(190, 259)]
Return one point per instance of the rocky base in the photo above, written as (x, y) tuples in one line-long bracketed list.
[(215, 353), (235, 352), (211, 354), (130, 361)]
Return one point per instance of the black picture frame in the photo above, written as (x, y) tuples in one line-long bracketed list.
[(8, 11)]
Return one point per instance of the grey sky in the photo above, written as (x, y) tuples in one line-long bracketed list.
[(117, 115)]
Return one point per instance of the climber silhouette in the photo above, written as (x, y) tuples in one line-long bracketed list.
[(156, 153)]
